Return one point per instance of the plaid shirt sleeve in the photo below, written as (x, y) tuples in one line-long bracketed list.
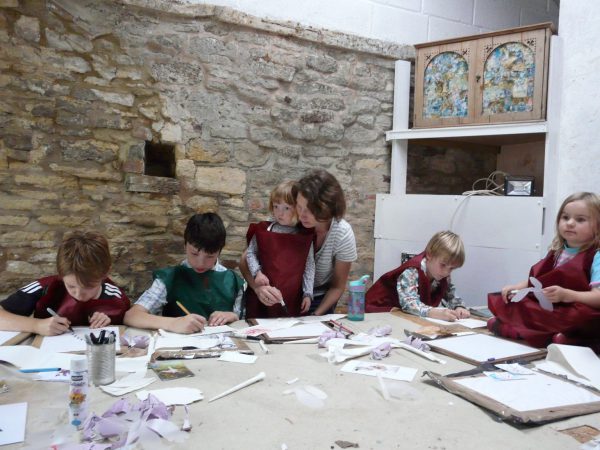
[(408, 293), (154, 298)]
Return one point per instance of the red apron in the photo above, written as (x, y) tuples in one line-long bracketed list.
[(283, 260), (527, 320), (383, 296)]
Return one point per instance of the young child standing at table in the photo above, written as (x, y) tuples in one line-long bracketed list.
[(280, 254), (570, 276), (81, 293), (422, 283), (211, 293)]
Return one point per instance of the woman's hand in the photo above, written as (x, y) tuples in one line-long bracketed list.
[(268, 295)]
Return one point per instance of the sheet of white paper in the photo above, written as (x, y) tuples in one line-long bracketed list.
[(174, 396), (277, 324), (126, 384), (481, 347), (6, 335), (323, 318), (67, 342), (515, 368), (533, 392), (62, 376), (301, 331), (581, 361), (237, 357), (179, 342), (374, 368), (28, 357), (557, 369), (13, 418), (207, 331), (469, 323)]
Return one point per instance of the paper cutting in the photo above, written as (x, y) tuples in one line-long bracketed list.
[(537, 291)]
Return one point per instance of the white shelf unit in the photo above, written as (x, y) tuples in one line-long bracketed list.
[(503, 236)]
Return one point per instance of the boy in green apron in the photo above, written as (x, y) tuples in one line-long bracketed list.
[(209, 293)]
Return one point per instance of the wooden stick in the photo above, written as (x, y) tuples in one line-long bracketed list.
[(183, 308), (242, 385)]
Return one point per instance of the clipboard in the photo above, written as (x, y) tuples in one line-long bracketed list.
[(479, 348), (472, 388), (287, 334), (195, 353), (16, 340)]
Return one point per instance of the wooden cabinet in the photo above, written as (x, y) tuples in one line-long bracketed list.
[(494, 77)]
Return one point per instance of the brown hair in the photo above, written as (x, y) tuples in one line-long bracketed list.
[(448, 246), (323, 193), (592, 201), (283, 192), (85, 255)]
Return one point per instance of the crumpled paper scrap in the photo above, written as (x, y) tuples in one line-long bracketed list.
[(327, 335), (384, 330)]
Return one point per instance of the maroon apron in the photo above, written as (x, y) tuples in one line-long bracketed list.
[(283, 260), (527, 320), (383, 296), (78, 313)]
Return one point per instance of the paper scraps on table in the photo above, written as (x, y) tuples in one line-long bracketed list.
[(381, 351), (381, 331), (125, 424), (417, 343), (389, 371), (537, 292), (139, 341), (237, 358), (173, 396), (62, 376), (327, 335), (13, 418), (515, 368), (171, 370), (128, 383), (503, 376), (308, 395)]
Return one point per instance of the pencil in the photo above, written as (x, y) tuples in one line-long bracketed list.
[(53, 313), (183, 308), (342, 327)]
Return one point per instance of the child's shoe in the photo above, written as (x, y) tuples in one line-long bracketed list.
[(492, 325)]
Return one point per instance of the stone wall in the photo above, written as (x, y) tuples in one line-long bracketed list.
[(246, 103)]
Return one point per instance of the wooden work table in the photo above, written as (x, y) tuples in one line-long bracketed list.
[(262, 417)]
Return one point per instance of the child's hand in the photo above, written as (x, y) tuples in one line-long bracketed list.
[(442, 314), (191, 323), (221, 318), (462, 313), (52, 326), (99, 320), (261, 279), (506, 290), (268, 295), (556, 294), (305, 305)]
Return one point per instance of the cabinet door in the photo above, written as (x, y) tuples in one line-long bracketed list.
[(511, 77), (443, 86)]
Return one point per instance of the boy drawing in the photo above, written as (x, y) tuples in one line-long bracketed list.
[(81, 293), (209, 291)]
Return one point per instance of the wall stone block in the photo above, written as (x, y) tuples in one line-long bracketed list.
[(28, 28), (221, 179), (158, 185)]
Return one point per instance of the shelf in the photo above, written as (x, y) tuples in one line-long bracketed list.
[(470, 131)]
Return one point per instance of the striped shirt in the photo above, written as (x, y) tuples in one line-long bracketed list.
[(155, 297), (339, 245), (408, 292)]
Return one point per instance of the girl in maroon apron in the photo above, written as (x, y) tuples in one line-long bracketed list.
[(280, 254), (570, 276)]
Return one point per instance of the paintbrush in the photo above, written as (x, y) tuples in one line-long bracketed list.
[(284, 307)]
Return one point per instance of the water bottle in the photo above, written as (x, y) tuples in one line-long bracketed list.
[(78, 392), (356, 304)]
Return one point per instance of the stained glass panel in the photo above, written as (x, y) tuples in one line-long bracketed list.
[(445, 86), (508, 79)]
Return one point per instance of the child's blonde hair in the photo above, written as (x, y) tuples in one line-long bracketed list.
[(448, 246), (283, 194), (592, 201), (85, 255)]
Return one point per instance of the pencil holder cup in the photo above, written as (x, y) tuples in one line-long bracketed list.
[(356, 303), (101, 363)]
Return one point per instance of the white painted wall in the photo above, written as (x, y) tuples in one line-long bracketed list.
[(577, 154), (402, 21)]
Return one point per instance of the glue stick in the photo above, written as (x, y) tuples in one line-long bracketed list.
[(78, 392)]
